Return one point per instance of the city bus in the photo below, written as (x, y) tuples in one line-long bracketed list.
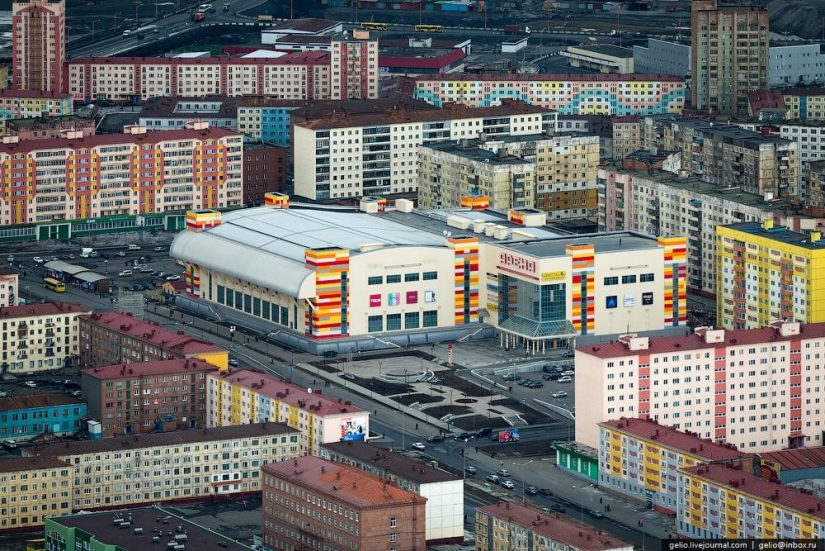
[(54, 285), (370, 26), (429, 28)]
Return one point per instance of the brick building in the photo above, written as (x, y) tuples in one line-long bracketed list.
[(147, 396), (316, 504), (38, 44), (264, 171), (113, 338)]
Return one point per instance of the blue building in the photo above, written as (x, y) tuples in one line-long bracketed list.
[(266, 119), (25, 417)]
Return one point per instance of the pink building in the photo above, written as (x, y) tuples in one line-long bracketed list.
[(38, 44), (757, 389)]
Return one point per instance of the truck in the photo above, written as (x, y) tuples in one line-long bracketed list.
[(86, 252), (198, 17), (265, 18), (513, 29)]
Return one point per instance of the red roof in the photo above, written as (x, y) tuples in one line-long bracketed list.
[(98, 140), (33, 94), (349, 484), (684, 343), (671, 438), (159, 367), (44, 309), (34, 401), (165, 339), (18, 464), (288, 393), (802, 458), (555, 527), (765, 99), (626, 118), (296, 58), (786, 497), (574, 77), (434, 62)]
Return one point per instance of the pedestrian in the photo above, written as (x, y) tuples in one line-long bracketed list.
[(416, 426), (476, 449), (601, 499)]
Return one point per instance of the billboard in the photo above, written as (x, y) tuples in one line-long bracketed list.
[(393, 299), (509, 435), (412, 297), (375, 301), (354, 428)]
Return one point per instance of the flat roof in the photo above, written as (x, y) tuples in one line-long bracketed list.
[(39, 400), (106, 532), (160, 439), (306, 25), (730, 131), (800, 458), (606, 49), (29, 122), (412, 58), (473, 152), (18, 464), (602, 243), (33, 94), (142, 369), (391, 462), (786, 497), (684, 441), (780, 234), (42, 309), (311, 110), (552, 77), (555, 527), (349, 484)]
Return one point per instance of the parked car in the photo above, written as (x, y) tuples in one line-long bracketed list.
[(566, 379), (348, 376), (160, 249), (559, 394), (492, 478), (463, 436), (507, 484), (120, 253), (146, 270), (511, 377), (558, 508), (568, 354), (10, 444), (37, 260), (486, 431), (535, 384), (417, 445), (568, 373), (125, 273), (531, 490), (503, 472), (470, 469), (551, 377), (30, 384), (172, 277)]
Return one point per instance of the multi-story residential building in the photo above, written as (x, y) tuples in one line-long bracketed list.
[(113, 338), (729, 47), (16, 104), (171, 113), (194, 168), (640, 458), (109, 530), (767, 272), (627, 135), (33, 489), (573, 94), (727, 155), (172, 466), (444, 491), (264, 171), (376, 153), (39, 128), (353, 68), (38, 44), (743, 387), (244, 396), (32, 416), (814, 187), (9, 287), (39, 338), (507, 525), (267, 119), (664, 203), (805, 104), (147, 396), (719, 502), (371, 512)]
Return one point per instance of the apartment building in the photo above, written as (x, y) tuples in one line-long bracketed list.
[(243, 396), (444, 491), (753, 388), (571, 94), (729, 55), (719, 502), (805, 104), (40, 128), (33, 489), (353, 68), (113, 338), (728, 155), (767, 272), (147, 396), (376, 153), (17, 104), (172, 466), (310, 502), (267, 119), (9, 287), (663, 203), (264, 171), (173, 113), (133, 173), (38, 338), (507, 525), (814, 189), (640, 459), (627, 135), (33, 416), (38, 44)]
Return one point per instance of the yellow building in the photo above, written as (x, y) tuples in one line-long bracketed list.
[(627, 135), (31, 489), (765, 273), (807, 104), (720, 502)]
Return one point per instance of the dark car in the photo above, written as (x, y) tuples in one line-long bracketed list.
[(552, 377), (545, 492), (535, 384), (568, 354), (435, 438), (331, 354), (511, 377), (558, 508), (486, 431), (463, 436), (531, 490)]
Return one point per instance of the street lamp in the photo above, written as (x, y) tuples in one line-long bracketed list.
[(523, 499), (137, 21)]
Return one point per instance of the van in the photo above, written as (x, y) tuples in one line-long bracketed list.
[(181, 538), (134, 247), (125, 273)]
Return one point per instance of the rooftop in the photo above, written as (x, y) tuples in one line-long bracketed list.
[(416, 58), (307, 25), (545, 77), (159, 439), (606, 49), (142, 369), (42, 309), (165, 339), (295, 58), (786, 497), (800, 458), (40, 400), (471, 151), (311, 110), (602, 243), (804, 91), (114, 537), (288, 393), (33, 94), (17, 464), (390, 462), (347, 483), (669, 437), (31, 122), (778, 233), (173, 107), (736, 134), (555, 527)]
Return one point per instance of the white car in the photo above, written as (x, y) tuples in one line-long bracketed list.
[(37, 260), (418, 445), (30, 384), (173, 277), (120, 253), (559, 394), (507, 484), (566, 379)]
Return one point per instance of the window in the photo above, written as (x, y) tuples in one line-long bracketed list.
[(611, 281), (221, 294), (394, 322), (375, 324), (411, 277), (375, 280), (428, 276), (646, 277), (411, 320), (629, 278), (394, 278), (431, 318), (393, 539), (392, 522)]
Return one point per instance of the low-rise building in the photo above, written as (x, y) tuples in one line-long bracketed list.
[(32, 489), (172, 466), (508, 525), (17, 104), (38, 338), (243, 396), (113, 338), (317, 503), (786, 466), (444, 491), (171, 113), (38, 416), (9, 287), (605, 58), (662, 57), (45, 128), (149, 396), (639, 458)]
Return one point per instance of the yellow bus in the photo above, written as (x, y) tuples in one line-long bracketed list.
[(370, 26), (429, 28), (54, 285)]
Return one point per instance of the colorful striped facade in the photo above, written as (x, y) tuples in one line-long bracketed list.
[(675, 300), (198, 220), (583, 306), (574, 94), (328, 315), (466, 278), (276, 200)]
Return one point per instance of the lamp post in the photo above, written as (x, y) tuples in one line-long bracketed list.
[(105, 262), (523, 465)]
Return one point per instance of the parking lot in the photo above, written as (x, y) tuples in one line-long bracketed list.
[(554, 384)]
